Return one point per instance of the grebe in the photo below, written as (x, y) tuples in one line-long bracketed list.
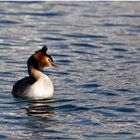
[(37, 85)]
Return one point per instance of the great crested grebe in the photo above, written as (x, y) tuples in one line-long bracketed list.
[(37, 85)]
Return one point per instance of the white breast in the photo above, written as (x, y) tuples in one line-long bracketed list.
[(41, 89)]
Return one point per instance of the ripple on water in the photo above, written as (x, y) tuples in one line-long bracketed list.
[(113, 25), (90, 85), (65, 62), (119, 56), (131, 62), (113, 110), (135, 99), (125, 109), (125, 90), (109, 93), (80, 52), (114, 43), (5, 44), (40, 14), (87, 45), (119, 50), (71, 107), (5, 22), (53, 38), (76, 35)]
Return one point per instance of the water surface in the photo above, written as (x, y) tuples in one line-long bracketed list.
[(97, 84)]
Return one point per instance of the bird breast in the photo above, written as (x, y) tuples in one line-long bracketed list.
[(42, 88)]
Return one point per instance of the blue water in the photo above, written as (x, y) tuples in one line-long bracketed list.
[(97, 83)]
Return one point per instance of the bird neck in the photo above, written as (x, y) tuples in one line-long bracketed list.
[(34, 68), (34, 73)]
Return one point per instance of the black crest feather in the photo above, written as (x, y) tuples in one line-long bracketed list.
[(44, 49)]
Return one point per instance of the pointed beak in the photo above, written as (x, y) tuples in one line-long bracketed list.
[(53, 64)]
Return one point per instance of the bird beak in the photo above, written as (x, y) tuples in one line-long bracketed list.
[(53, 64)]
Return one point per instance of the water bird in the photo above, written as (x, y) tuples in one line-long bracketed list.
[(37, 85)]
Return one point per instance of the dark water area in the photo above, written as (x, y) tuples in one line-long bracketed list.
[(97, 83)]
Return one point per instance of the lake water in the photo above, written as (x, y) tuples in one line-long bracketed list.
[(97, 83)]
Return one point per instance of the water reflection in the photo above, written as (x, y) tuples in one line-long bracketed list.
[(39, 114), (40, 108)]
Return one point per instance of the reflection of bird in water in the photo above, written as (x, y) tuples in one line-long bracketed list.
[(37, 85), (40, 108)]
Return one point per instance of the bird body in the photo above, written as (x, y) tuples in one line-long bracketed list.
[(37, 85)]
